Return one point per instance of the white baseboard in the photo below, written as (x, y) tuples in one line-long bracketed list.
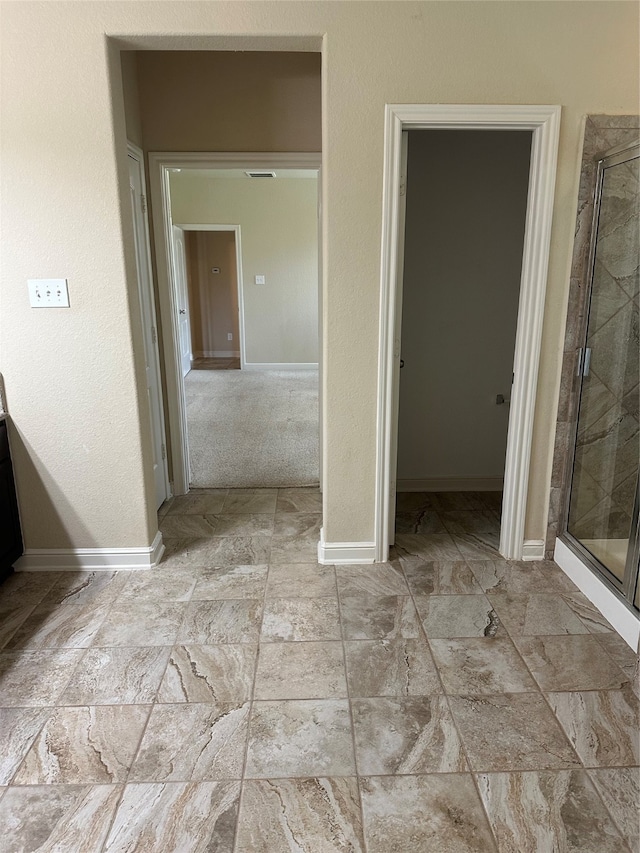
[(452, 484), (217, 353), (336, 553), (284, 365), (598, 593), (533, 549), (91, 559)]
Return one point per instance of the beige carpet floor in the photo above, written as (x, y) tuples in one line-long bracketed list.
[(251, 429)]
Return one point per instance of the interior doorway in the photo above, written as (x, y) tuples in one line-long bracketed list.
[(466, 201), (543, 123)]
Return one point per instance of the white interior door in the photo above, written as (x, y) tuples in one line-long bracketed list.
[(182, 297), (149, 327), (397, 335)]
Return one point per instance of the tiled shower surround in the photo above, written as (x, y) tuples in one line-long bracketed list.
[(607, 440), (241, 698)]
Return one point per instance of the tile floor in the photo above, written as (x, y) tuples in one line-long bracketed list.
[(243, 699)]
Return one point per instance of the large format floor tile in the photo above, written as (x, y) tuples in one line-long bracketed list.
[(243, 698)]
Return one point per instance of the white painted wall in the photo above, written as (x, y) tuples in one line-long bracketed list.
[(75, 377), (466, 205), (278, 221)]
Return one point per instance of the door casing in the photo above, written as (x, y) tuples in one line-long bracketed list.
[(544, 122)]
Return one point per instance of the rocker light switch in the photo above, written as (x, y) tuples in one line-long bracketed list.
[(260, 279), (48, 292)]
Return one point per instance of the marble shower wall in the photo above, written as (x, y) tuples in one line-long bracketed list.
[(607, 446)]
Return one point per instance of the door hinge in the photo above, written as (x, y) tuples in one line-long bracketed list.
[(154, 336), (403, 185), (163, 451), (143, 201)]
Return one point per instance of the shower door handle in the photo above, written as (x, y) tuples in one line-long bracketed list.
[(584, 361)]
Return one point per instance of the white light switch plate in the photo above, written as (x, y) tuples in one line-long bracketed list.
[(260, 279), (48, 293)]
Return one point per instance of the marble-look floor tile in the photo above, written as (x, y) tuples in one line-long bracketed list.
[(401, 668), (481, 666), (439, 578), (554, 578), (477, 546), (459, 501), (406, 736), (377, 579), (184, 743), (369, 617), (300, 671), (305, 815), (22, 588), (85, 587), (18, 729), (588, 613), (470, 521), (219, 675), (231, 582), (141, 623), (11, 620), (306, 524), (228, 621), (57, 817), (508, 576), (510, 732), (602, 725), (299, 500), (575, 662), (199, 502), (120, 676), (239, 550), (301, 619), (21, 676), (242, 524), (294, 549), (301, 580), (59, 626), (619, 788), (427, 813), (415, 501), (178, 526), (618, 650), (198, 817), (300, 738), (420, 521), (250, 500), (533, 614), (160, 585), (87, 745), (547, 810), (187, 551), (458, 616), (429, 546)]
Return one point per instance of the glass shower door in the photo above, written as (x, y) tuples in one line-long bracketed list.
[(603, 502)]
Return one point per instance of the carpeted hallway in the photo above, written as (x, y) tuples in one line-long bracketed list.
[(251, 429)]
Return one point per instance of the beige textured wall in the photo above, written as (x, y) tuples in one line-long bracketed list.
[(213, 297), (74, 377), (465, 215), (223, 101), (278, 222)]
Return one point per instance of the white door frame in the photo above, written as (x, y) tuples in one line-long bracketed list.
[(160, 166), (544, 121), (239, 280), (149, 321)]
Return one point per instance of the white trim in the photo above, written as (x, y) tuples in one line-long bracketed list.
[(341, 553), (160, 164), (91, 559), (281, 365), (533, 549), (217, 353), (598, 593), (544, 121), (452, 484)]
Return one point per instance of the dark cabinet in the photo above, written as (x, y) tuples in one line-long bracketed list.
[(10, 535)]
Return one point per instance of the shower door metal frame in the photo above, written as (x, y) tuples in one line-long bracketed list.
[(626, 588)]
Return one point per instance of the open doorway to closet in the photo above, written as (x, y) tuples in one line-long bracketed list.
[(466, 202)]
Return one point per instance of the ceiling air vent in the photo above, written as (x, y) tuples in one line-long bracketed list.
[(261, 173)]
